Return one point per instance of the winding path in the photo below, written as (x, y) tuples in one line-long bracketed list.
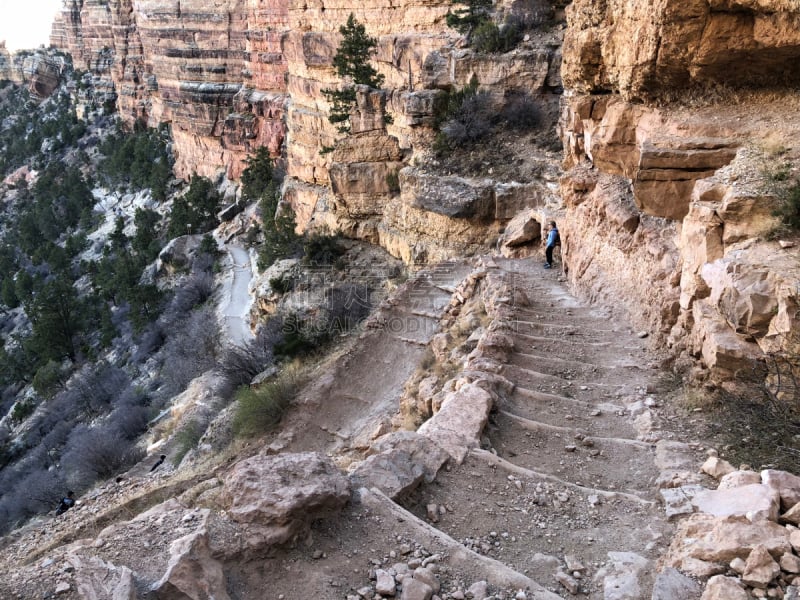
[(235, 299)]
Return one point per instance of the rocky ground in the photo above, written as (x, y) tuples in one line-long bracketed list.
[(545, 462)]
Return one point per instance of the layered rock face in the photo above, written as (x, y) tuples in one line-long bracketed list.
[(215, 71), (231, 75), (676, 195)]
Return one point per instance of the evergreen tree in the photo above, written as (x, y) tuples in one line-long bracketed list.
[(472, 14), (257, 175), (352, 65)]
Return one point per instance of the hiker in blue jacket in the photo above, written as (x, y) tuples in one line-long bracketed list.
[(553, 240)]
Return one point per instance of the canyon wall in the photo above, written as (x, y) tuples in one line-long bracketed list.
[(214, 70), (663, 204), (233, 75), (674, 115)]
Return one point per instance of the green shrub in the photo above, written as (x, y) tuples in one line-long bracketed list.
[(351, 62), (22, 410), (260, 408), (488, 38), (281, 284), (186, 438), (196, 210), (321, 249), (48, 379), (789, 208), (258, 175), (393, 182)]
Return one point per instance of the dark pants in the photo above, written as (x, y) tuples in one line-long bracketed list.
[(548, 252)]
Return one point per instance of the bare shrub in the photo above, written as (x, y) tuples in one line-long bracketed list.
[(93, 387), (240, 365), (522, 112), (532, 13), (346, 306), (471, 122), (95, 453), (192, 350)]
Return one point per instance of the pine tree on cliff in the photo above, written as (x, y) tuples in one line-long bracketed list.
[(352, 65), (466, 19)]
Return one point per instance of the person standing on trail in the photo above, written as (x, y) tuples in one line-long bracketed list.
[(553, 240), (66, 503)]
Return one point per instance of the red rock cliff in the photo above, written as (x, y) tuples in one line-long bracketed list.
[(214, 70)]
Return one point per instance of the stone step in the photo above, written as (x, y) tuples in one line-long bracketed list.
[(527, 521), (556, 329), (558, 453), (597, 419), (533, 379)]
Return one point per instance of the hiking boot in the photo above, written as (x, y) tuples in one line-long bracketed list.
[(547, 265)]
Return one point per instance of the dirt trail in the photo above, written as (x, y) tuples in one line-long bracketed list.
[(561, 471)]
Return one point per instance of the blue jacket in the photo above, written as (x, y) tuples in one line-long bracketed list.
[(552, 237)]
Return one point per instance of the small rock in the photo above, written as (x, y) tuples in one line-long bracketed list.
[(573, 563), (385, 585), (737, 565), (717, 467), (432, 511), (317, 554), (478, 590), (786, 244), (642, 334), (427, 576), (62, 587), (593, 500), (568, 582), (570, 448)]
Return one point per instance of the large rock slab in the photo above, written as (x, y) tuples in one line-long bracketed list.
[(192, 572), (757, 500), (451, 196), (458, 424), (280, 495), (96, 579), (402, 460)]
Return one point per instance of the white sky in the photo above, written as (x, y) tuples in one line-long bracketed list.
[(26, 23)]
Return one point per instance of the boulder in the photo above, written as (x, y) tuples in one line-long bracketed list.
[(414, 589), (792, 515), (401, 461), (671, 584), (760, 568), (191, 571), (755, 500), (722, 539), (720, 587), (280, 495), (786, 484), (96, 579), (522, 229)]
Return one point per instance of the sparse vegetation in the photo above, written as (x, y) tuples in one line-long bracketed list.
[(260, 408), (351, 62)]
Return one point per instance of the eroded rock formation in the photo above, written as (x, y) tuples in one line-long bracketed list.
[(665, 194), (215, 72)]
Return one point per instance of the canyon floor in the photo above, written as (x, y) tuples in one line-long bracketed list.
[(558, 495)]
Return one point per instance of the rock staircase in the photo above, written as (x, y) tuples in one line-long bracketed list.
[(562, 488)]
